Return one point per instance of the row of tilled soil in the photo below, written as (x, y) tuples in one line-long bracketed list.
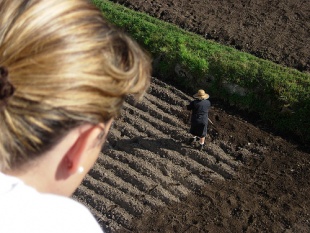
[(147, 164)]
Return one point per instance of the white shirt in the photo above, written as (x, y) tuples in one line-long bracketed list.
[(23, 209)]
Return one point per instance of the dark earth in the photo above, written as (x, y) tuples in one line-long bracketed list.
[(248, 178), (276, 30)]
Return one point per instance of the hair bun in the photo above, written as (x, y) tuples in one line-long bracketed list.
[(6, 88)]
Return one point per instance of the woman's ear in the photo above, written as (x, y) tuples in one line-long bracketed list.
[(73, 156), (86, 142)]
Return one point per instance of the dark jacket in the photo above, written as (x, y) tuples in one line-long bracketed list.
[(199, 110), (199, 119)]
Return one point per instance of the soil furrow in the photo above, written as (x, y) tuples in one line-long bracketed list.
[(208, 160), (177, 156), (202, 171), (158, 144), (215, 166), (119, 198), (162, 85), (128, 129), (155, 112), (143, 183), (104, 206), (144, 167), (178, 176), (220, 155), (166, 95), (173, 110), (114, 181), (148, 144), (138, 126), (177, 132)]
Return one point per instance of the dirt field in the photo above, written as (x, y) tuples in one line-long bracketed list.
[(149, 180), (276, 30), (247, 178)]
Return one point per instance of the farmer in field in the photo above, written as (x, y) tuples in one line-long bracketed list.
[(199, 119), (64, 75)]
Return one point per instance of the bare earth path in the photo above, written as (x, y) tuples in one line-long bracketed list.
[(149, 180)]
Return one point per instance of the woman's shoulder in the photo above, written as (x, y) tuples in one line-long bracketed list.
[(39, 212), (72, 215)]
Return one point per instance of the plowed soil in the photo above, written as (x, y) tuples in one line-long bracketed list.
[(247, 178), (276, 30), (147, 179)]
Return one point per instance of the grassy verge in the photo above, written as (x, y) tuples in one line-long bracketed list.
[(279, 95)]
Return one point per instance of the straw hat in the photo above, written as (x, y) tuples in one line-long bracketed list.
[(201, 94)]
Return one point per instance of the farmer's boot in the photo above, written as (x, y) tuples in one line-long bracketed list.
[(200, 147), (191, 141)]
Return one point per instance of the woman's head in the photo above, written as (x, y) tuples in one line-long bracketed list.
[(67, 66)]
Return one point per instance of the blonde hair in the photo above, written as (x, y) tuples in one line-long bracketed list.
[(67, 65)]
